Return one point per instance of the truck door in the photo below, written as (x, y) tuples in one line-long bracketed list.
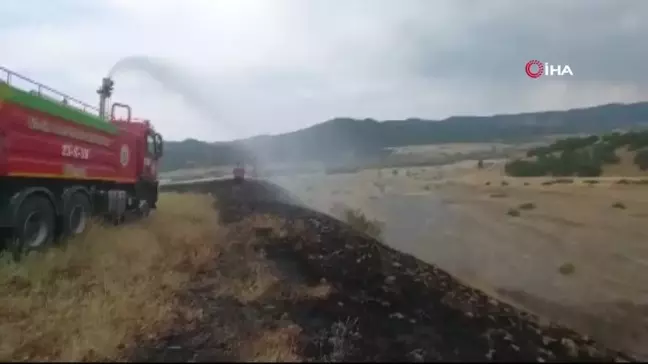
[(150, 158), (146, 188)]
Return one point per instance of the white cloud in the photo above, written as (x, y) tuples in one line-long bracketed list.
[(263, 66)]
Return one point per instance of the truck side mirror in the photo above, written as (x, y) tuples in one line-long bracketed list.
[(159, 145)]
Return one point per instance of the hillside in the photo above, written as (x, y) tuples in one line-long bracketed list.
[(591, 156), (345, 138)]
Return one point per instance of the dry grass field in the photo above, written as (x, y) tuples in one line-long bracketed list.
[(94, 297), (570, 249), (109, 294), (189, 284)]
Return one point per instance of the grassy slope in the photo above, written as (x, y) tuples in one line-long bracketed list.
[(249, 290), (92, 298)]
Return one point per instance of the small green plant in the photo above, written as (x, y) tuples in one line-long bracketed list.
[(487, 183), (623, 181), (360, 222), (567, 269), (427, 187), (505, 183), (395, 172), (526, 183), (527, 206), (513, 212), (498, 195), (564, 180), (619, 205)]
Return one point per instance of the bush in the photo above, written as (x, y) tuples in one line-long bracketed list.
[(522, 168), (567, 269), (605, 153), (563, 180), (641, 159), (498, 195), (527, 206), (583, 157), (360, 222), (619, 205)]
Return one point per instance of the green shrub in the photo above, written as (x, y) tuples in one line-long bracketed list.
[(358, 220), (619, 205), (567, 269), (527, 206), (498, 195), (641, 159)]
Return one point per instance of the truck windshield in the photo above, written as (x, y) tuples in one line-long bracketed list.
[(150, 144)]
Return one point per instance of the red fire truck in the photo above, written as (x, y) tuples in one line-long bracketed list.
[(63, 161)]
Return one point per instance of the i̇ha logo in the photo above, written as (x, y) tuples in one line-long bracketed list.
[(535, 69)]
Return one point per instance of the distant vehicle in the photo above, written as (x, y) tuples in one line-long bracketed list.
[(239, 173), (63, 161)]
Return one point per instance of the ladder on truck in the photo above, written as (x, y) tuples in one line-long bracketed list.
[(35, 88)]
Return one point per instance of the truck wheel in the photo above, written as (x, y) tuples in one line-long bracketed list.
[(76, 214), (117, 219), (144, 209), (34, 227)]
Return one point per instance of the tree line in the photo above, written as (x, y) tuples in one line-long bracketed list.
[(580, 156)]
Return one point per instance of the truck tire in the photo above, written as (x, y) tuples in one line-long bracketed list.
[(144, 209), (76, 215), (34, 226)]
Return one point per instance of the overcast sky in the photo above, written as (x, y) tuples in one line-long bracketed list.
[(223, 69)]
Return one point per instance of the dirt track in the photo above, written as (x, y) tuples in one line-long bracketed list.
[(382, 305)]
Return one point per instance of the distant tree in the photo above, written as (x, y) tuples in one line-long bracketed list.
[(539, 151), (522, 168), (605, 153), (637, 140), (641, 159)]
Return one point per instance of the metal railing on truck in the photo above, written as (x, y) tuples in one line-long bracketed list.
[(10, 77)]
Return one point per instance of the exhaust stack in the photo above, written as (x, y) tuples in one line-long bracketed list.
[(105, 92)]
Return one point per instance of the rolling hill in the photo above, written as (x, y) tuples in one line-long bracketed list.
[(349, 139)]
